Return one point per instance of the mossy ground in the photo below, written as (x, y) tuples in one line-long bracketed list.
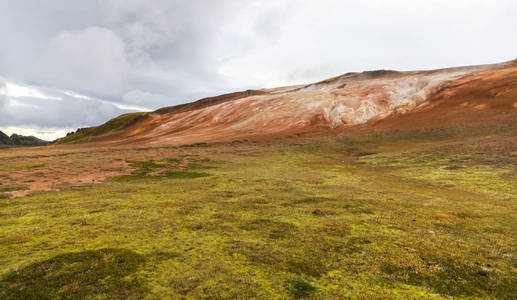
[(420, 214), (12, 187), (90, 134)]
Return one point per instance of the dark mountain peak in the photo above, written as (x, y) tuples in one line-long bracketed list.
[(16, 140), (4, 138)]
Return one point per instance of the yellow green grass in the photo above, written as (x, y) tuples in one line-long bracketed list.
[(428, 215), (89, 134)]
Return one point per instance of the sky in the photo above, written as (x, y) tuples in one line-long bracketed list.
[(70, 64)]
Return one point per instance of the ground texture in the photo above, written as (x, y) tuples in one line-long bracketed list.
[(424, 214)]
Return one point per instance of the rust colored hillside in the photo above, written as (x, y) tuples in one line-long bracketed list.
[(367, 101)]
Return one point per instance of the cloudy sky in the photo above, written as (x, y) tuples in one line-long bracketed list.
[(67, 64)]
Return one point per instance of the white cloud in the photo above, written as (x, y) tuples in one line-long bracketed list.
[(143, 98), (19, 91), (136, 54), (34, 109), (116, 104), (91, 60)]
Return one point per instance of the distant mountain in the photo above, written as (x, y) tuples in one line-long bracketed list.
[(4, 139), (367, 101), (16, 140)]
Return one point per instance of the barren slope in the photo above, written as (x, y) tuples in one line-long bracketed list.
[(366, 101)]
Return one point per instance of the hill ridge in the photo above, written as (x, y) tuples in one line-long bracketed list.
[(341, 103), (20, 140)]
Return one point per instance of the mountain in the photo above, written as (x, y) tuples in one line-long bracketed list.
[(367, 101), (16, 140), (4, 139)]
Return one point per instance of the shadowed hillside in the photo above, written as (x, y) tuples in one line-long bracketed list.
[(16, 140)]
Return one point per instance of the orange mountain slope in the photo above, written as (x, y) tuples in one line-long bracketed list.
[(374, 100)]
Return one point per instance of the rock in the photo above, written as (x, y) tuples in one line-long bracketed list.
[(318, 212), (482, 273)]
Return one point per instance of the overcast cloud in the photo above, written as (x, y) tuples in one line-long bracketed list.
[(67, 64)]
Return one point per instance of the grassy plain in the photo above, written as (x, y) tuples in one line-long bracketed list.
[(425, 214)]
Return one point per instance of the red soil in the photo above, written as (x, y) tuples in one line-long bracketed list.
[(374, 100)]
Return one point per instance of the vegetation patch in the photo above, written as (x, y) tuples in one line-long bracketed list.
[(199, 145), (300, 288), (89, 134), (197, 166), (13, 187), (453, 167), (146, 166), (13, 239), (33, 166), (185, 175), (273, 229), (449, 277), (312, 200), (104, 273), (132, 178)]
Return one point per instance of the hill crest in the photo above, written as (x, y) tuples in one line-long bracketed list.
[(369, 100)]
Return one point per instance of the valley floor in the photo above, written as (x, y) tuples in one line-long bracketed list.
[(402, 214)]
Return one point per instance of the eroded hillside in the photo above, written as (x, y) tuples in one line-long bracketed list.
[(366, 101)]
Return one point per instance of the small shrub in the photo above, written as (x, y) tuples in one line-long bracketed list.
[(312, 200), (33, 166), (196, 166), (203, 145), (185, 175), (453, 167), (301, 288), (359, 154)]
